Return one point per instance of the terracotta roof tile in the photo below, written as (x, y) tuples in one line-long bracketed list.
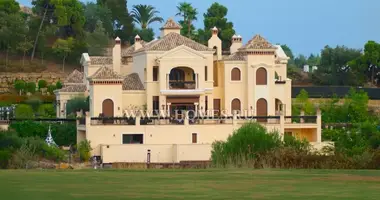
[(132, 82), (238, 56), (258, 42), (171, 24), (171, 41), (96, 60), (74, 88), (105, 73), (75, 77), (125, 52)]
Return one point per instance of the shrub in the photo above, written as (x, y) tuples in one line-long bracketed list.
[(76, 104), (9, 140), (19, 86), (44, 150), (24, 158), (34, 102), (245, 144), (46, 111), (42, 84), (51, 89), (5, 156), (63, 134), (24, 111), (84, 150), (58, 85), (31, 87)]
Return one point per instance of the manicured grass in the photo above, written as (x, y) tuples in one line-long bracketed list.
[(190, 184)]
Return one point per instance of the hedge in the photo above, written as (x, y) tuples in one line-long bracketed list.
[(17, 99), (63, 134)]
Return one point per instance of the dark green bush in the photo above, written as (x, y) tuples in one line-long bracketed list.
[(9, 140), (19, 85), (42, 84), (76, 104), (51, 89), (46, 111), (63, 134), (24, 111), (245, 144), (34, 102), (5, 156), (58, 85), (31, 87)]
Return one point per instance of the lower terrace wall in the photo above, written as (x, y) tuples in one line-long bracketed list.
[(161, 134)]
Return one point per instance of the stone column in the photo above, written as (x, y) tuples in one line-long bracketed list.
[(168, 108), (196, 81), (319, 125), (196, 108), (282, 126), (302, 120)]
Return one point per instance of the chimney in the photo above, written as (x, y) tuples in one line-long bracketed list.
[(215, 31), (236, 43), (137, 42), (116, 55), (215, 43)]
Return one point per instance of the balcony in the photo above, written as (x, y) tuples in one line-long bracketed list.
[(184, 85)]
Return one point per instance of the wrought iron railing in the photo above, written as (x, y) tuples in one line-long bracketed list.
[(190, 85)]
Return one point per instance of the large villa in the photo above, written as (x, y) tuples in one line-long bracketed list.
[(183, 95)]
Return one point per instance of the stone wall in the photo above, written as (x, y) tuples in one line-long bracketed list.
[(7, 79)]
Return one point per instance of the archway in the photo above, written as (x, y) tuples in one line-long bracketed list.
[(235, 106), (182, 78), (107, 108), (261, 76), (278, 106), (262, 109)]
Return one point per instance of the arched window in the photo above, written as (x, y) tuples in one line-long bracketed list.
[(261, 76), (262, 109), (107, 108), (235, 105), (215, 50), (235, 74)]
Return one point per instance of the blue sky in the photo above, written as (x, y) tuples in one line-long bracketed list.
[(304, 25)]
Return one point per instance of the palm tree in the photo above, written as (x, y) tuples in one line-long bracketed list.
[(189, 14), (145, 15)]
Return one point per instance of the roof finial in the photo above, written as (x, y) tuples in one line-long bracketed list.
[(117, 40)]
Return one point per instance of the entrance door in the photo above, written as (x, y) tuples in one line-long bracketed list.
[(216, 107), (107, 109), (262, 109)]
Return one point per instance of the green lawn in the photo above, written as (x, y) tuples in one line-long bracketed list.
[(190, 184)]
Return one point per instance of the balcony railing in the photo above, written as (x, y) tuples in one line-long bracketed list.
[(301, 119), (189, 85)]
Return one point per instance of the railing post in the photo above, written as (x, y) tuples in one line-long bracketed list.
[(282, 125), (302, 114), (319, 125), (138, 120), (234, 118), (88, 118), (186, 118)]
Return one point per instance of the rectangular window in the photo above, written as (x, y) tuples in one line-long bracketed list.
[(194, 138), (155, 73), (206, 73), (215, 74), (133, 138), (206, 103), (156, 105)]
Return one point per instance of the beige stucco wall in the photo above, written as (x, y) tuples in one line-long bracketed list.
[(133, 99), (99, 93)]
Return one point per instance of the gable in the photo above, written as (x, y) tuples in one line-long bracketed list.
[(182, 52)]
